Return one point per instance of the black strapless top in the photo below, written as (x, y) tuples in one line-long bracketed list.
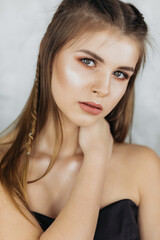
[(116, 221)]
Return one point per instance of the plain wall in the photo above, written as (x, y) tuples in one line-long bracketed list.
[(22, 25)]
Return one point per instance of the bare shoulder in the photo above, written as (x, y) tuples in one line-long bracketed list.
[(13, 225), (142, 163), (139, 154)]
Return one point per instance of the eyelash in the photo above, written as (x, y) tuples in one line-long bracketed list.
[(125, 74), (88, 59)]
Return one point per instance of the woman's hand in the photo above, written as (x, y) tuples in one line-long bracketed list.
[(96, 138)]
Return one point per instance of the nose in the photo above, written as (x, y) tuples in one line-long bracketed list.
[(101, 85)]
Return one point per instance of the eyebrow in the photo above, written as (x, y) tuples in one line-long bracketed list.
[(101, 60), (98, 58), (130, 69)]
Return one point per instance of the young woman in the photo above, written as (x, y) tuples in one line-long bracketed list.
[(65, 170)]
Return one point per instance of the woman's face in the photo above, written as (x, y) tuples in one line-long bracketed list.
[(95, 69)]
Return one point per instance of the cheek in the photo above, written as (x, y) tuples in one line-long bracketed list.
[(120, 90), (67, 76), (117, 92), (67, 83)]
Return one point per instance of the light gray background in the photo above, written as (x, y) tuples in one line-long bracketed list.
[(22, 25)]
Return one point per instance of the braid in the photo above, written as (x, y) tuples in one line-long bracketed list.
[(32, 132)]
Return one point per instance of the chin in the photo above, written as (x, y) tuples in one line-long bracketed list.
[(86, 122), (82, 120)]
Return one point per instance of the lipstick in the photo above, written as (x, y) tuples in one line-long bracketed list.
[(91, 107)]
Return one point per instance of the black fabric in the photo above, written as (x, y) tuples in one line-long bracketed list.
[(116, 221)]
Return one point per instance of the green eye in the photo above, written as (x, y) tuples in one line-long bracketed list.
[(121, 75), (88, 62), (118, 74)]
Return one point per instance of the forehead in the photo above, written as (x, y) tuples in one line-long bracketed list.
[(109, 45)]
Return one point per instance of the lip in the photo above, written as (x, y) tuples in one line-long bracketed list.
[(90, 109), (93, 105)]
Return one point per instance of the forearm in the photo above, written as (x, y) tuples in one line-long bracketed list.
[(78, 218)]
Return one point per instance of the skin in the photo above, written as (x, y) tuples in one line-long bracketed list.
[(81, 80), (75, 80), (132, 172), (127, 175)]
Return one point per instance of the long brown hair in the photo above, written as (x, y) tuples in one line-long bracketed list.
[(72, 19)]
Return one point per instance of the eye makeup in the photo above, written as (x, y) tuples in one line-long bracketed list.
[(92, 54), (88, 59), (124, 74), (86, 62)]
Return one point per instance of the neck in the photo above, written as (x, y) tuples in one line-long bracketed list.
[(70, 145)]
